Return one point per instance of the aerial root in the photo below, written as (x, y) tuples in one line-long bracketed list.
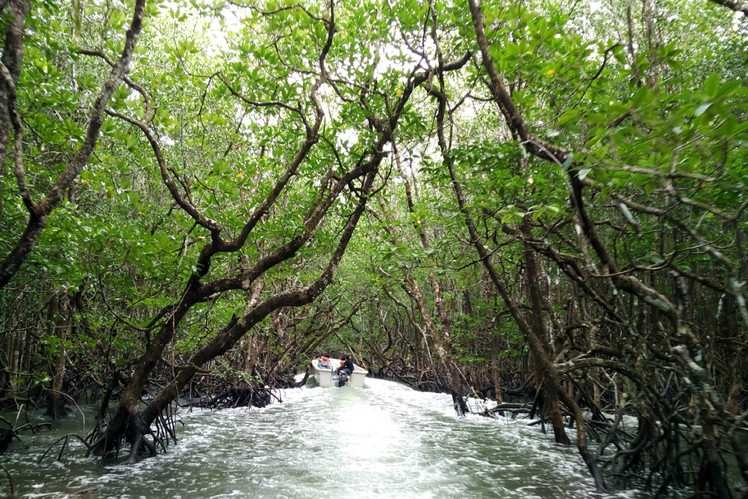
[(65, 439), (239, 396), (14, 430)]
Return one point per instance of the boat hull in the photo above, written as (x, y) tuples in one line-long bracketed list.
[(326, 377)]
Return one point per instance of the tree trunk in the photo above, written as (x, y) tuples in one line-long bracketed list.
[(496, 375), (539, 326), (59, 320)]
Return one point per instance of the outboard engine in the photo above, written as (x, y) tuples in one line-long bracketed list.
[(342, 378)]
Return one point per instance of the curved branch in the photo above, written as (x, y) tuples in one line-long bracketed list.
[(149, 110), (166, 176), (10, 66), (734, 5)]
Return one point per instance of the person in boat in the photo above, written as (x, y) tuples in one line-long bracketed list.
[(324, 361), (346, 365)]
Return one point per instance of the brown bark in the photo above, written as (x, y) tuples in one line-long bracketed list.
[(539, 328), (10, 70), (59, 319)]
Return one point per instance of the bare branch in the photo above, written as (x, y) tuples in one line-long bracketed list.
[(735, 5)]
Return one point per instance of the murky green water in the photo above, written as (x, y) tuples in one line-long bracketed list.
[(384, 440)]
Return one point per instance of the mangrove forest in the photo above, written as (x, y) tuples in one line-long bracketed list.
[(515, 230)]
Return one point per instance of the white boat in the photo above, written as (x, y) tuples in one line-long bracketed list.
[(325, 375)]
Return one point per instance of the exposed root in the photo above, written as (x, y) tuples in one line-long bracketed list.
[(13, 430), (239, 396), (11, 483), (144, 439), (65, 439)]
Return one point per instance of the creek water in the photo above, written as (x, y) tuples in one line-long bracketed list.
[(383, 440)]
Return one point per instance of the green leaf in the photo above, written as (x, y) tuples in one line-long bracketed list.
[(702, 109)]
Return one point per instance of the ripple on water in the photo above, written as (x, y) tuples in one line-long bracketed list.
[(384, 440)]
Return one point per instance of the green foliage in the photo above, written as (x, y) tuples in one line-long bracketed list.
[(120, 238)]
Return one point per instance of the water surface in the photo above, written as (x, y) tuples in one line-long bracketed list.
[(384, 440)]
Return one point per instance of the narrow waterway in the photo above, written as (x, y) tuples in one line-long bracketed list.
[(384, 440)]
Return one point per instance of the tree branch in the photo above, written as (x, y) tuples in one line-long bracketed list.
[(25, 243), (735, 5)]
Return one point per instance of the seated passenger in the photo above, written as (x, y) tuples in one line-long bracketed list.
[(324, 361), (346, 365)]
